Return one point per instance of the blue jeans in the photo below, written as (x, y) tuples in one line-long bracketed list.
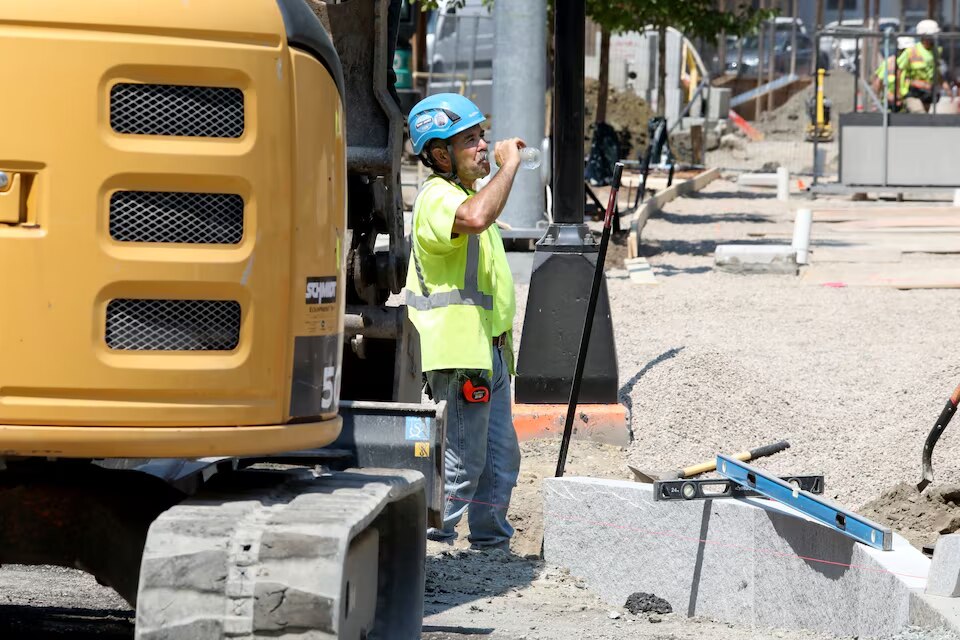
[(482, 459)]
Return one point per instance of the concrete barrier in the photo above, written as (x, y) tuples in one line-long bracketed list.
[(756, 258), (754, 562)]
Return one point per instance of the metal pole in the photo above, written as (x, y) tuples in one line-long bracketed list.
[(770, 65), (757, 101), (896, 82), (793, 39), (430, 62), (867, 48), (856, 73), (722, 47), (953, 27), (934, 85), (473, 56), (456, 45), (519, 103), (816, 91), (886, 109)]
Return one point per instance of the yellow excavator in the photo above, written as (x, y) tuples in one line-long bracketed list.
[(205, 400)]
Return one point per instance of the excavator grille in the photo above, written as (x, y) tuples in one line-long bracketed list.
[(176, 110), (173, 325), (190, 218)]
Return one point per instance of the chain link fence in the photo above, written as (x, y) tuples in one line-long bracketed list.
[(779, 109)]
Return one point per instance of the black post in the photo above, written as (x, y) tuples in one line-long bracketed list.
[(568, 47), (566, 256)]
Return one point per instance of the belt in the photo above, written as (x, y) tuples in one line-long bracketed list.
[(500, 340)]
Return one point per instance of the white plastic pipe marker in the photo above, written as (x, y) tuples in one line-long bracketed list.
[(783, 184), (801, 235)]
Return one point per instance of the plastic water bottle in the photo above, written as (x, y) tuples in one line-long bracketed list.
[(529, 158)]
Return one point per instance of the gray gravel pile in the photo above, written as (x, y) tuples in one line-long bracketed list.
[(711, 362)]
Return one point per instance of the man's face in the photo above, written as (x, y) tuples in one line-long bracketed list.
[(927, 43), (470, 151)]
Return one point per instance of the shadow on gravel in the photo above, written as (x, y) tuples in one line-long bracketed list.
[(707, 248), (443, 632), (624, 393), (668, 270), (680, 247), (53, 623), (696, 218), (460, 576), (731, 195)]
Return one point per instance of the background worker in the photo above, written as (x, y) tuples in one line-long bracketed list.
[(916, 64), (885, 80), (460, 297)]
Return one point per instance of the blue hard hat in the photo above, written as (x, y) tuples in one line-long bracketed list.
[(441, 116)]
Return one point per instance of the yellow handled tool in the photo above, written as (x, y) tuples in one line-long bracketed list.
[(710, 465)]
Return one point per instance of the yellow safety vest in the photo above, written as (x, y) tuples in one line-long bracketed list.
[(459, 291), (916, 63), (889, 79)]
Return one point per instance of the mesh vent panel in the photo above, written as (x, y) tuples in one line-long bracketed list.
[(193, 218), (176, 110), (173, 325)]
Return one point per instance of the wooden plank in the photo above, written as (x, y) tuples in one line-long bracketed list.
[(640, 271)]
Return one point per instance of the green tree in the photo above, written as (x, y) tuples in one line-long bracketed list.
[(693, 18)]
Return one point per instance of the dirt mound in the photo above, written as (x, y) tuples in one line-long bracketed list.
[(789, 121), (918, 517), (627, 112)]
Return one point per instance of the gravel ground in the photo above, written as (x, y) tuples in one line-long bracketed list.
[(852, 377)]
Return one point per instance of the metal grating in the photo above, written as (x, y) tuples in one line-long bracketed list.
[(192, 218), (176, 110), (173, 325)]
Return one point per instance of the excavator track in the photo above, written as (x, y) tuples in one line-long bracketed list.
[(287, 553)]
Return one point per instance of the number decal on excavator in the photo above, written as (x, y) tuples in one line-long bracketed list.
[(329, 379)]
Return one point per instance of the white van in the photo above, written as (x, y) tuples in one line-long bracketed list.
[(460, 45)]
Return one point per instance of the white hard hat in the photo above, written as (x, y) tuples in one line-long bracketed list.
[(927, 28)]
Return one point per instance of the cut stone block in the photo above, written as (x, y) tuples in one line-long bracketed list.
[(750, 561), (945, 569), (756, 258)]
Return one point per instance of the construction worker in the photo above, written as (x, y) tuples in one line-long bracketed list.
[(916, 64), (460, 296), (885, 80)]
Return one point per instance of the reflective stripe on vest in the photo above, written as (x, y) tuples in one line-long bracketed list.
[(470, 295)]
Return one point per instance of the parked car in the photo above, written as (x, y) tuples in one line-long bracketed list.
[(460, 47), (841, 52), (745, 62)]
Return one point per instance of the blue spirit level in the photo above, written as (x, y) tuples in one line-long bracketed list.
[(847, 523)]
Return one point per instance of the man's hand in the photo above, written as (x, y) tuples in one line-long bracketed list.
[(508, 151), (480, 211)]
